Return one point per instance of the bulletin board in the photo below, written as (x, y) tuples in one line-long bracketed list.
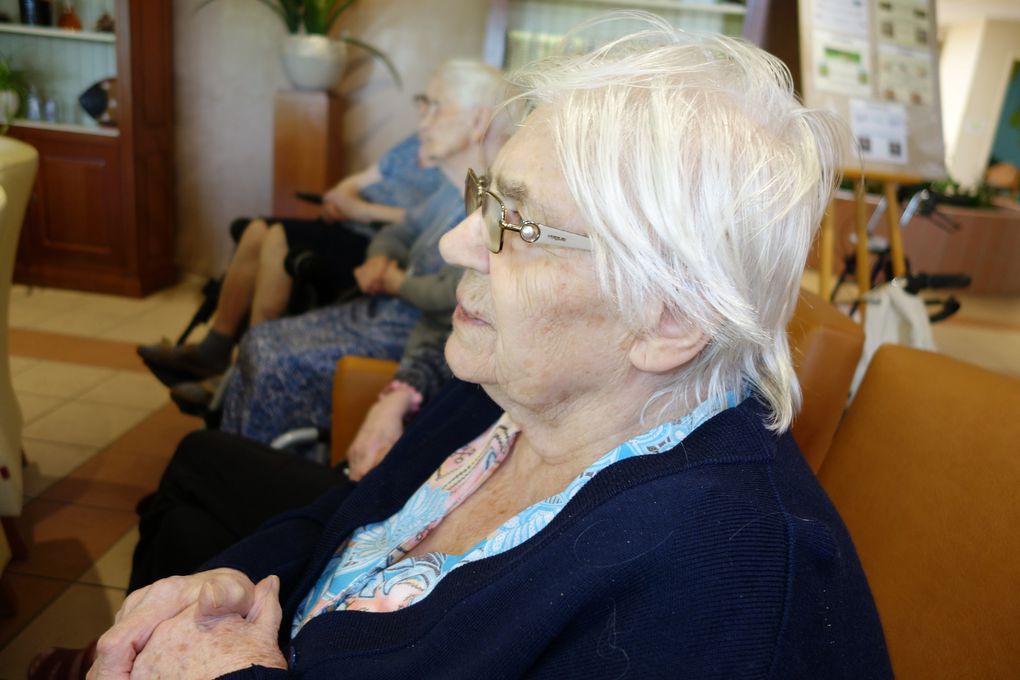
[(875, 63)]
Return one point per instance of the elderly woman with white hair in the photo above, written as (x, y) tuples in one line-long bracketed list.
[(611, 490)]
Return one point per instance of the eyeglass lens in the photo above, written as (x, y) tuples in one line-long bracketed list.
[(475, 197)]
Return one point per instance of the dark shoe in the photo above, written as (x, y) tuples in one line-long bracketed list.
[(173, 364), (194, 398)]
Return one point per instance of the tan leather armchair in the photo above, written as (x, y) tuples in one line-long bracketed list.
[(825, 345), (925, 470), (356, 385)]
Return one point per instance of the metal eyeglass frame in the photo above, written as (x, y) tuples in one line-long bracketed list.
[(531, 232)]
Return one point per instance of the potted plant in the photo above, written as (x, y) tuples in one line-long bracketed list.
[(312, 59), (13, 90)]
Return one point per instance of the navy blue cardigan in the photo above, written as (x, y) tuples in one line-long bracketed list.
[(722, 558)]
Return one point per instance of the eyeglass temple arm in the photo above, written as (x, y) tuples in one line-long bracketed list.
[(562, 238)]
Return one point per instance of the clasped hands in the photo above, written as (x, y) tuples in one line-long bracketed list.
[(199, 626), (379, 274)]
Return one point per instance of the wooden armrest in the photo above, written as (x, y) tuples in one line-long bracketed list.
[(356, 386)]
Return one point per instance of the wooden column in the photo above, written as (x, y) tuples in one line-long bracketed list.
[(306, 148)]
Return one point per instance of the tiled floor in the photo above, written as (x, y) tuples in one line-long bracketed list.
[(98, 431)]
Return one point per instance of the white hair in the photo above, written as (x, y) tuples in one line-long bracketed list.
[(473, 83), (701, 179)]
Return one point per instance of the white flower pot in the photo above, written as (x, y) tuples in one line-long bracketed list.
[(313, 62), (9, 103)]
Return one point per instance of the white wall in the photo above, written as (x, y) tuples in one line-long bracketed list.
[(226, 69), (975, 64)]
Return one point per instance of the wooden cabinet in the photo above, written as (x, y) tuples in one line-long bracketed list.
[(101, 215)]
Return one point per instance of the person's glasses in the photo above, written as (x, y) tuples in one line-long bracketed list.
[(477, 195), (424, 105)]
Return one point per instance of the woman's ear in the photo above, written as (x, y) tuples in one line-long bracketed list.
[(480, 123), (673, 343)]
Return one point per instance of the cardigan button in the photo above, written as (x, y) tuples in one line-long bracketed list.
[(291, 656)]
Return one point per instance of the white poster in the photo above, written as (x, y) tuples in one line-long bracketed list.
[(880, 130), (843, 65), (905, 76), (842, 16)]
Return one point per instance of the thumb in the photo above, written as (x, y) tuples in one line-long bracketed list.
[(266, 612), (225, 594)]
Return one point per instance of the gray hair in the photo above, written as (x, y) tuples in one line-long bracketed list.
[(701, 179), (473, 83)]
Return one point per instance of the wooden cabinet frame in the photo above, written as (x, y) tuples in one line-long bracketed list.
[(101, 216)]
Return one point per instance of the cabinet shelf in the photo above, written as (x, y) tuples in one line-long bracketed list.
[(101, 217), (58, 33), (65, 127)]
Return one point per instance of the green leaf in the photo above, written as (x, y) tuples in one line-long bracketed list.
[(315, 18), (1014, 119), (377, 53)]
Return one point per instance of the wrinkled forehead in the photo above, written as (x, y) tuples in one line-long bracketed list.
[(527, 172), (438, 91)]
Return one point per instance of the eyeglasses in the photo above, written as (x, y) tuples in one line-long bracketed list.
[(476, 195), (424, 105)]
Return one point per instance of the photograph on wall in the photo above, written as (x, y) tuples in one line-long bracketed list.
[(905, 75), (880, 130), (842, 64), (904, 22)]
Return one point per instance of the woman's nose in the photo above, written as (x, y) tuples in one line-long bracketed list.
[(464, 245)]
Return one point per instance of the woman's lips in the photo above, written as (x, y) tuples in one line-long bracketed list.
[(462, 315)]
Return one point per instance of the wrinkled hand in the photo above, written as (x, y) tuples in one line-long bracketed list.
[(369, 275), (224, 591), (203, 642), (334, 204), (381, 428), (393, 278)]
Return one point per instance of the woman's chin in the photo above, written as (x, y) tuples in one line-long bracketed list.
[(468, 361)]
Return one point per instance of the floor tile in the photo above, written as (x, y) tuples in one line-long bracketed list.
[(59, 379), (50, 462), (129, 388), (166, 320), (64, 540), (77, 617), (1000, 310), (996, 350), (113, 569), (32, 594), (130, 468), (75, 349), (85, 423), (79, 321), (24, 316), (107, 480), (34, 405), (157, 436), (20, 364)]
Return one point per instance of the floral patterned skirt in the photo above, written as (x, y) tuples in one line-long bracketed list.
[(285, 367)]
